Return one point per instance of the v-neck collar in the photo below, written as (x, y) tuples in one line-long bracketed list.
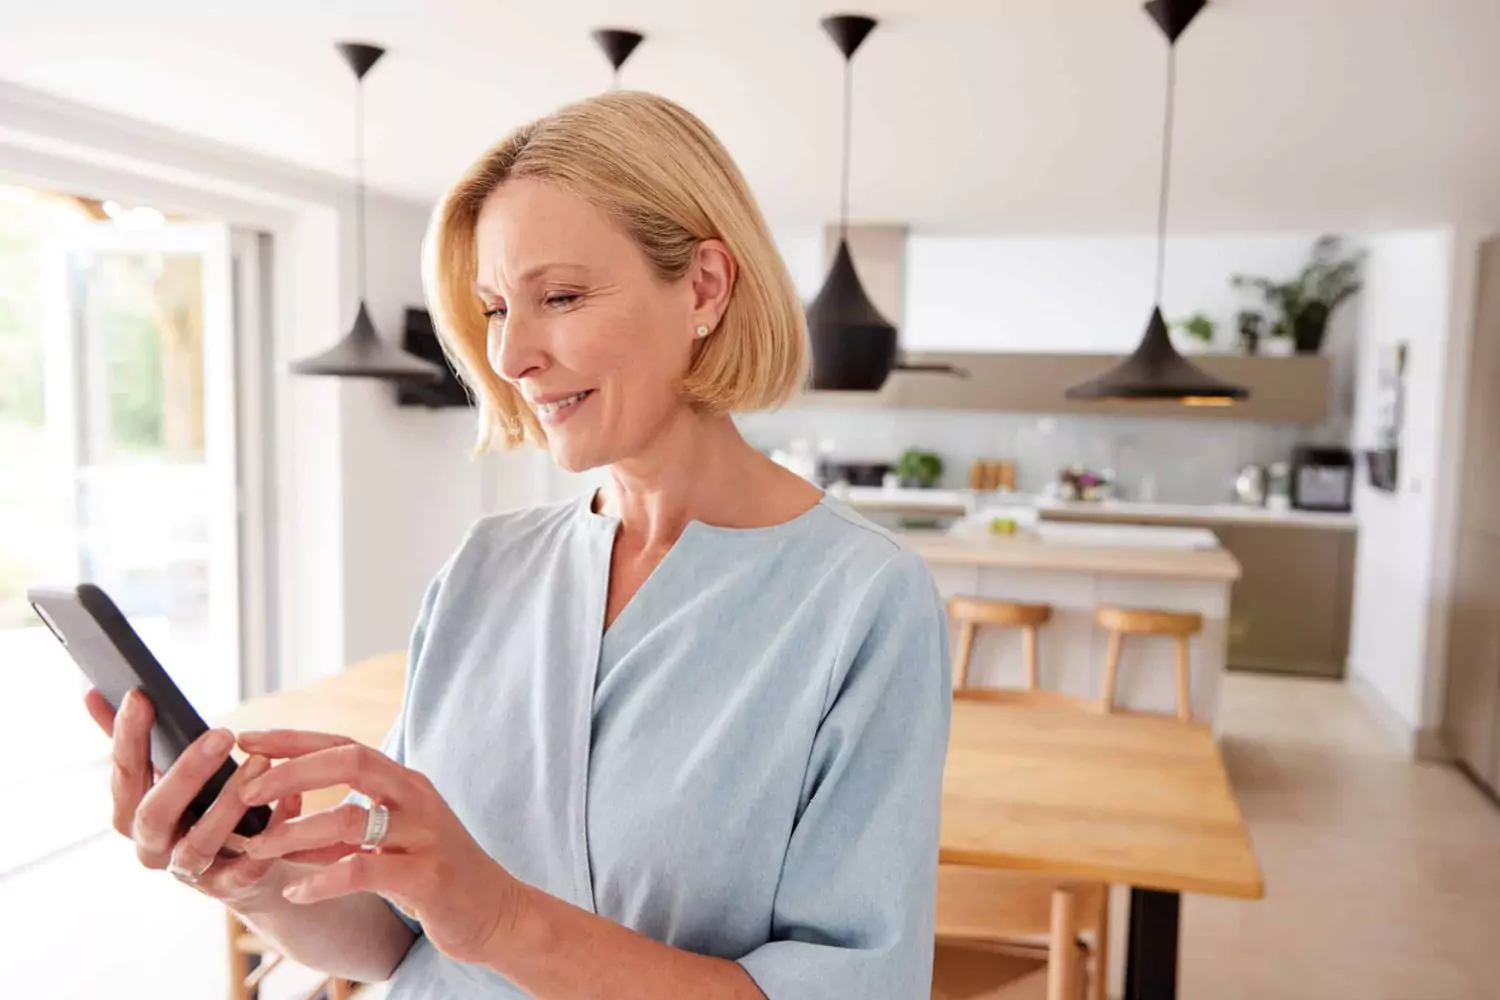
[(606, 526)]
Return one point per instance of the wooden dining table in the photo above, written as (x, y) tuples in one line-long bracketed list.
[(1133, 800), (1129, 800)]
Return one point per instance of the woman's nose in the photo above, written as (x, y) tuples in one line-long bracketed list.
[(515, 350)]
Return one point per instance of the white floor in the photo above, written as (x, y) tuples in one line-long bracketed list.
[(1383, 883)]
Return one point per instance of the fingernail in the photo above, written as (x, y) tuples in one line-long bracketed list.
[(250, 793), (293, 892), (253, 846), (218, 743), (255, 766)]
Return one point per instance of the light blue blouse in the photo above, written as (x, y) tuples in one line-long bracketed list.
[(746, 764)]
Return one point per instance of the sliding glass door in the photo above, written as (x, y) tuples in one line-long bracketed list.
[(118, 467)]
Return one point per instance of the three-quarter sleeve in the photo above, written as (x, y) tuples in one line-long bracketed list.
[(393, 746), (853, 912)]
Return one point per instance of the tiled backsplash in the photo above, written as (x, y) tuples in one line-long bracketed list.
[(1192, 461)]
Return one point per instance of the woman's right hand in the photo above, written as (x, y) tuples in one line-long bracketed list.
[(150, 808)]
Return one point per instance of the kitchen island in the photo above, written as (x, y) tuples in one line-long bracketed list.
[(1077, 568)]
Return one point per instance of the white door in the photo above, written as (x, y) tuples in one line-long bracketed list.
[(145, 430)]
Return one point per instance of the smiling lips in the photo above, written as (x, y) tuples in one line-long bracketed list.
[(554, 411)]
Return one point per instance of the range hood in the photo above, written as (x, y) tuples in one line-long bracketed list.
[(854, 345)]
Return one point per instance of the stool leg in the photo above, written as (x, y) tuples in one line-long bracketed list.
[(1099, 984), (1184, 700), (965, 652), (1111, 672), (239, 962), (1062, 960), (1028, 651)]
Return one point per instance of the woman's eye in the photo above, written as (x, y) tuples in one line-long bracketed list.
[(496, 313), (561, 300)]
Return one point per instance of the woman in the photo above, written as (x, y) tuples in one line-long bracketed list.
[(682, 738)]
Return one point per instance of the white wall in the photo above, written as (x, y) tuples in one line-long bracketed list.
[(1407, 297), (410, 485), (1078, 295)]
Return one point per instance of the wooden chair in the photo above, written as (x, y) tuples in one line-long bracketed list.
[(990, 920), (1041, 954), (1120, 622), (969, 613), (251, 959)]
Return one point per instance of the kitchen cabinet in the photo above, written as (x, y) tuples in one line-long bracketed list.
[(1473, 716), (1471, 719), (1290, 609), (1293, 390)]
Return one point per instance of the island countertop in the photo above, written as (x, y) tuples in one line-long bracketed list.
[(1032, 553)]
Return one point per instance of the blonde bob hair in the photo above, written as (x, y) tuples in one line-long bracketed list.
[(657, 170)]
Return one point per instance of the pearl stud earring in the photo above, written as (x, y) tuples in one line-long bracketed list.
[(702, 330)]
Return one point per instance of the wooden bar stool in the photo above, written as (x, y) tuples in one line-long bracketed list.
[(971, 612), (1120, 622)]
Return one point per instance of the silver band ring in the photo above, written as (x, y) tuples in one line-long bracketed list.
[(377, 823)]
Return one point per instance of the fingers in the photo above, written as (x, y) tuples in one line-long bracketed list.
[(197, 848), (100, 711), (337, 828), (159, 817), (286, 810), (233, 880), (386, 874), (282, 743), (353, 764), (130, 759)]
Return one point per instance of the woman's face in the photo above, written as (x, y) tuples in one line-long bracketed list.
[(581, 325)]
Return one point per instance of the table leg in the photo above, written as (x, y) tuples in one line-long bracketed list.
[(1151, 955)]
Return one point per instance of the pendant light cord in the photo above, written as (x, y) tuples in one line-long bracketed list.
[(848, 134), (359, 173), (1166, 173)]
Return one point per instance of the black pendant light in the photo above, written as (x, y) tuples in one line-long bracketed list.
[(1155, 371), (362, 353), (853, 345), (617, 44)]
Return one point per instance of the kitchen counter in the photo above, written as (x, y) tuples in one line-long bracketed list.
[(954, 503), (1074, 556), (1186, 513), (1077, 569)]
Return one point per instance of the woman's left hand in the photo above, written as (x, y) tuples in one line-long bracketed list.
[(427, 864)]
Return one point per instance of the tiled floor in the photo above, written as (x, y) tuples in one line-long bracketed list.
[(1383, 882), (1382, 877)]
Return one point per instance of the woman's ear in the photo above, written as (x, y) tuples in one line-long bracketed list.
[(712, 274)]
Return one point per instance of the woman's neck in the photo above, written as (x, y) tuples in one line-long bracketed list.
[(698, 467)]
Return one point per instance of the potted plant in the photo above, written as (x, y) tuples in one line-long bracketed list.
[(1306, 303), (919, 469), (1193, 335)]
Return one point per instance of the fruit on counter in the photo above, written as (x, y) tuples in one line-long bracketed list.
[(1002, 526)]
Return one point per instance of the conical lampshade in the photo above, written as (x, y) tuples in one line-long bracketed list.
[(1156, 371), (362, 354), (853, 346)]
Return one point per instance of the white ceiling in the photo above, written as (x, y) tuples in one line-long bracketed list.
[(988, 115)]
